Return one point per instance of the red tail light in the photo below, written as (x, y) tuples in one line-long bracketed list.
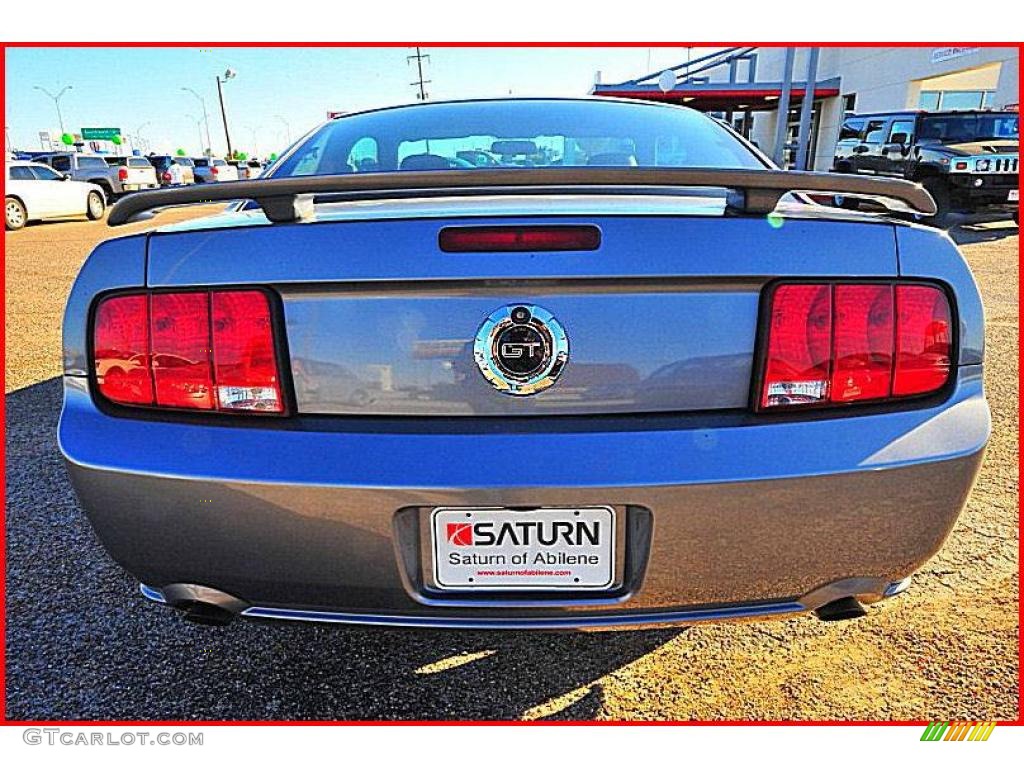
[(558, 238), (197, 350), (213, 170), (922, 340), (122, 174), (830, 344), (245, 363), (166, 176), (121, 350)]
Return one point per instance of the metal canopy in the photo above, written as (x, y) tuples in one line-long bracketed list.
[(739, 94), (721, 97)]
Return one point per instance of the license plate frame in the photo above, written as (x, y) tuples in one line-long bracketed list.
[(575, 561), (1013, 196)]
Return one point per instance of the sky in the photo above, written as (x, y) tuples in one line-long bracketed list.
[(280, 93)]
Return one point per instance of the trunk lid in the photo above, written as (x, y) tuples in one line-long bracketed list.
[(381, 322)]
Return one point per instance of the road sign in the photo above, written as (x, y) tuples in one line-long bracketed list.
[(44, 137), (100, 134)]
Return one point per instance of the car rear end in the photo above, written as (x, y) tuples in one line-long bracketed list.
[(221, 170), (202, 170), (134, 173), (751, 416), (170, 172)]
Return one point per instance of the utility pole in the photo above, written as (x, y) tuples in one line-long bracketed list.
[(228, 74), (422, 95)]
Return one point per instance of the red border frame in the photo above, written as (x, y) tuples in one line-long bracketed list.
[(456, 44)]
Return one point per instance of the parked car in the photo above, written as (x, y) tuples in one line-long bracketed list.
[(246, 169), (172, 170), (213, 169), (35, 192), (819, 421), (89, 168), (967, 160), (133, 172)]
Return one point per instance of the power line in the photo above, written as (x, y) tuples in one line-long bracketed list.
[(420, 82)]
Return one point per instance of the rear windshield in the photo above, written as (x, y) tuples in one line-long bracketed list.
[(116, 160), (139, 162), (533, 133), (91, 162), (218, 162), (201, 162), (187, 161)]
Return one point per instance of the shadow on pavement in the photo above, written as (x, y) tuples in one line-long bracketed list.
[(968, 234), (83, 644)]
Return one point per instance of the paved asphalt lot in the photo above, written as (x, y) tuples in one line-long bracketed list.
[(81, 642)]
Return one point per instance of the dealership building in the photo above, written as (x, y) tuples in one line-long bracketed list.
[(745, 85)]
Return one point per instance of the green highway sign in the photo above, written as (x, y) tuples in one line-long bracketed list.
[(100, 134)]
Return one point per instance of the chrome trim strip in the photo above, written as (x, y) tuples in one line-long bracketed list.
[(152, 594), (897, 587), (560, 622), (653, 618)]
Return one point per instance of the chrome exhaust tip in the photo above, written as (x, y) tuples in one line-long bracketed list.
[(843, 609), (199, 604)]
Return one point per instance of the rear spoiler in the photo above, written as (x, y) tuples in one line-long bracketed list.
[(751, 192)]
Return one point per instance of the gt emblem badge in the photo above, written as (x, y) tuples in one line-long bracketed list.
[(521, 349)]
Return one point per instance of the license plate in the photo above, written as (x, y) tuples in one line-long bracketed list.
[(551, 548), (1014, 196)]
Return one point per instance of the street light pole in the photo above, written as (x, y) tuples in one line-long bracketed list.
[(138, 134), (228, 74), (56, 101), (255, 146), (206, 119), (199, 130), (287, 130)]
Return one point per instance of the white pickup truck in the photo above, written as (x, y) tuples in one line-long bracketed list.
[(134, 173)]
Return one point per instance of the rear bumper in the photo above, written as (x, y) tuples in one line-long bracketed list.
[(722, 519)]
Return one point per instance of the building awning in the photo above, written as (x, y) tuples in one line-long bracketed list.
[(720, 97)]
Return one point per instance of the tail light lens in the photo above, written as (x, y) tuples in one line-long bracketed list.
[(122, 174), (922, 340), (121, 350), (197, 350), (166, 176), (830, 344), (213, 170), (558, 238), (244, 359)]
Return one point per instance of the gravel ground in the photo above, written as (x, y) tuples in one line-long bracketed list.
[(81, 643)]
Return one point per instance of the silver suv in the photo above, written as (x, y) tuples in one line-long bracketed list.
[(89, 168)]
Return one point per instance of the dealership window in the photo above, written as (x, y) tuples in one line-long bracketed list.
[(936, 100)]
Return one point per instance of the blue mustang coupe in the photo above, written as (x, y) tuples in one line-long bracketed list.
[(623, 373)]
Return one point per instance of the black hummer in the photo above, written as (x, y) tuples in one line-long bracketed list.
[(967, 160)]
